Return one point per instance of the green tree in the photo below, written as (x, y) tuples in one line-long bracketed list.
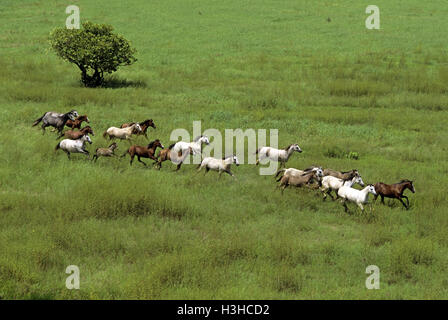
[(94, 48)]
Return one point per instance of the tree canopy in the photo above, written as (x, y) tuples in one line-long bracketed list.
[(94, 48)]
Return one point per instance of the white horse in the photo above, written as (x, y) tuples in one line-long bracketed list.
[(74, 146), (330, 183), (274, 154), (196, 145), (220, 165), (359, 197), (122, 133)]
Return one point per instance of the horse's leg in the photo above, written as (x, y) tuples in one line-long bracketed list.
[(94, 158), (178, 166), (329, 193), (44, 125), (68, 155), (382, 199), (345, 205), (139, 160), (407, 200), (403, 203), (132, 159), (360, 205)]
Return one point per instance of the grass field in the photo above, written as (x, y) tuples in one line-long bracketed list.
[(136, 233)]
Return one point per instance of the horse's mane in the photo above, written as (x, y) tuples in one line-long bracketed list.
[(404, 180), (151, 144), (228, 156), (171, 146), (288, 147), (350, 171), (311, 168), (145, 122), (113, 144), (197, 138)]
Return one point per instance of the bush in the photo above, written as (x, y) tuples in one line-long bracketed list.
[(95, 49)]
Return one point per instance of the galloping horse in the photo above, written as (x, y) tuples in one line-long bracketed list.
[(330, 183), (346, 175), (299, 181), (220, 165), (76, 124), (144, 125), (176, 158), (359, 197), (196, 145), (279, 155), (72, 134), (74, 146), (105, 152), (144, 152), (123, 134), (297, 172), (55, 119), (394, 191)]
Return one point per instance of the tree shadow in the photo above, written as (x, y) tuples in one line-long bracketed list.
[(115, 82)]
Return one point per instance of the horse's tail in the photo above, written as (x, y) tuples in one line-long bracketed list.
[(36, 122), (278, 172), (58, 146)]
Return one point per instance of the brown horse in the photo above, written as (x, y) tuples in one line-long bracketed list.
[(72, 134), (299, 181), (345, 175), (76, 124), (168, 154), (144, 125), (394, 191), (144, 152)]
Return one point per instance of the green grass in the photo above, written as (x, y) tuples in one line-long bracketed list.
[(333, 87)]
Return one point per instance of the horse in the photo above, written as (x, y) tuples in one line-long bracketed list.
[(144, 152), (55, 119), (277, 154), (394, 191), (220, 165), (296, 172), (74, 146), (176, 158), (72, 134), (330, 183), (359, 197), (105, 152), (76, 124), (298, 181), (123, 134), (144, 125), (345, 175), (196, 145)]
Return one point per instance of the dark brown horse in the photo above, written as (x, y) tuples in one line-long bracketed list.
[(394, 191), (76, 124), (72, 134), (168, 154), (143, 152), (144, 125), (344, 175)]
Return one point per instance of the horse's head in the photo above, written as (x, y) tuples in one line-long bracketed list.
[(149, 123), (295, 147), (410, 185), (88, 129), (319, 172), (84, 118), (137, 127), (235, 160), (72, 115), (204, 139), (113, 146), (371, 189), (87, 138), (358, 180)]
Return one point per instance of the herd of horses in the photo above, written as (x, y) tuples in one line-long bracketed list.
[(315, 177)]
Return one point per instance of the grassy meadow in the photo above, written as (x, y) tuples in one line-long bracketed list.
[(307, 68)]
